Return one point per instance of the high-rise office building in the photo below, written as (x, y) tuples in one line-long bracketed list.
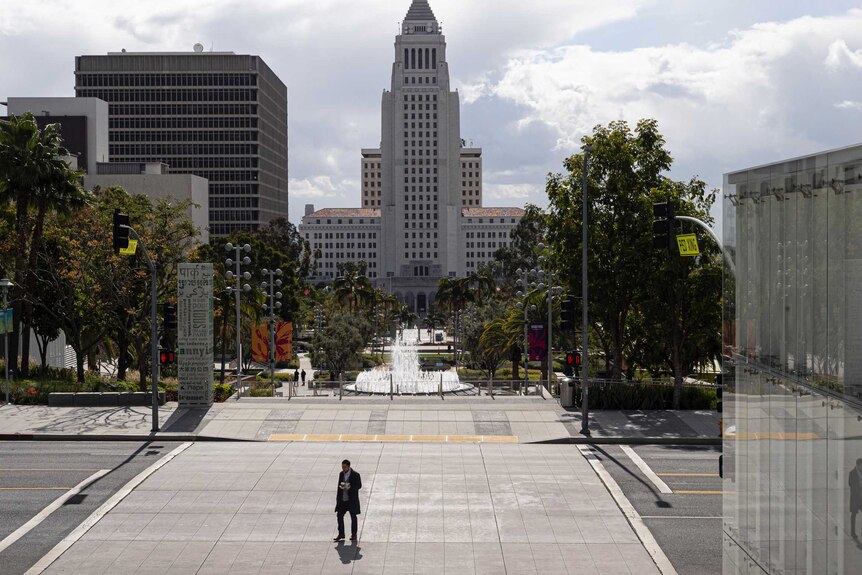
[(219, 115), (421, 193)]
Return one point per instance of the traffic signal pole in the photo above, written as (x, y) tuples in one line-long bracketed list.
[(585, 362), (154, 328)]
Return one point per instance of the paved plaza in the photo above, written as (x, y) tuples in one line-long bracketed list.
[(426, 508)]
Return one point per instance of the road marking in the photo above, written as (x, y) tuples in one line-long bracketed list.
[(642, 465), (395, 438), (652, 547), (61, 469), (701, 492), (687, 474), (51, 508), (94, 518), (679, 517), (35, 488)]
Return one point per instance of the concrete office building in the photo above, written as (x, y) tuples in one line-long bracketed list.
[(793, 366), (83, 125), (421, 192), (155, 181), (218, 115)]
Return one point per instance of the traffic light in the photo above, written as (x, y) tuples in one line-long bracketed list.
[(663, 235), (167, 357), (121, 233), (169, 317), (573, 362), (567, 315)]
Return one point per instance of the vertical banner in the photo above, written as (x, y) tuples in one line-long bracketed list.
[(195, 334), (283, 342), (538, 342)]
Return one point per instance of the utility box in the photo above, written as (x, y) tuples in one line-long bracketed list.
[(567, 392)]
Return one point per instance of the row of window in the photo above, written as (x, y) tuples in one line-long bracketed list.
[(347, 245), (482, 235), (184, 122), (330, 275), (427, 106), (233, 202), (365, 256), (160, 110), (159, 80), (184, 149), (421, 80), (485, 244), (371, 203), (420, 58), (349, 222), (234, 215), (184, 136), (421, 245), (233, 189), (412, 116), (412, 125), (420, 97), (227, 229), (427, 255), (421, 225), (343, 235), (372, 166), (169, 95)]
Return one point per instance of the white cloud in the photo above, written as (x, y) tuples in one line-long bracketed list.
[(511, 191), (322, 187), (840, 54), (849, 105)]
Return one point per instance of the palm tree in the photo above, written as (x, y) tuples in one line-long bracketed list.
[(353, 288), (32, 170)]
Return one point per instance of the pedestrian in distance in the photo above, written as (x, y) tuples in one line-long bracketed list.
[(347, 499), (296, 376), (302, 376), (855, 496)]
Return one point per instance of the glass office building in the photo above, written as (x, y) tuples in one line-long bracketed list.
[(793, 366)]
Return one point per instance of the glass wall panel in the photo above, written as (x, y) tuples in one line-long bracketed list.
[(792, 347)]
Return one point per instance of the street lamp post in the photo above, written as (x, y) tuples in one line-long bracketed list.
[(229, 275), (552, 291), (273, 304), (585, 354), (525, 284), (6, 284)]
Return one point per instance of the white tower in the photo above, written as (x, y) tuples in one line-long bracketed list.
[(420, 145)]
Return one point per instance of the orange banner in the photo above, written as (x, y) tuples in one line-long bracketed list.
[(283, 342)]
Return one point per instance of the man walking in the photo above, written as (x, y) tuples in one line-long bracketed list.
[(855, 496), (302, 376), (347, 499)]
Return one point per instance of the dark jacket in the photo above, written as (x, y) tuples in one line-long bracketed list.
[(352, 503), (855, 491)]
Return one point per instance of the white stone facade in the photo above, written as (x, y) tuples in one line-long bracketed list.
[(422, 188)]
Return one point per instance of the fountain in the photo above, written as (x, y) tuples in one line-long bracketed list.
[(405, 377)]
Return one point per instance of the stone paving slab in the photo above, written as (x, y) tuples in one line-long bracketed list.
[(427, 508)]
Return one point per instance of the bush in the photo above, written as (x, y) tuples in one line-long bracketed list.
[(631, 396)]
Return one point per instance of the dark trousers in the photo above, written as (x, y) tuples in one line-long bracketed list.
[(354, 521), (853, 522)]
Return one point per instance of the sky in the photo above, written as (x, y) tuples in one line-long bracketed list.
[(732, 83)]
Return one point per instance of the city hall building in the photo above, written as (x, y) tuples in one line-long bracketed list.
[(793, 367), (218, 115), (421, 216)]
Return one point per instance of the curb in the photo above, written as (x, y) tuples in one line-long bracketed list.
[(705, 441), (181, 437)]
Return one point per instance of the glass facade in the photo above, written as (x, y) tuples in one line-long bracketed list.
[(793, 366)]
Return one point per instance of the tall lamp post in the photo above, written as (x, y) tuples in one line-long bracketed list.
[(229, 275), (552, 291), (524, 282), (271, 306), (585, 354), (6, 284)]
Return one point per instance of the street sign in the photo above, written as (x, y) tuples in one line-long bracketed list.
[(6, 320), (130, 251), (688, 245)]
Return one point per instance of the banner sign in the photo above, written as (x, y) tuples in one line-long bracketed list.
[(538, 342), (283, 342), (195, 334), (6, 321)]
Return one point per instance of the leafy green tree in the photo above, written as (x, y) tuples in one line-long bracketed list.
[(521, 253), (352, 287), (625, 166), (338, 347), (33, 173)]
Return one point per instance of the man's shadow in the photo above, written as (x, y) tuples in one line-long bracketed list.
[(348, 553)]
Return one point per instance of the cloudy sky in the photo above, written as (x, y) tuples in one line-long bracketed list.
[(733, 83)]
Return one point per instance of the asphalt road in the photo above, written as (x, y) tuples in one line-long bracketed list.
[(687, 526), (34, 474)]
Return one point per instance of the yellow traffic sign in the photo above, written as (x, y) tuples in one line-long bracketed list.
[(130, 251), (688, 245)]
